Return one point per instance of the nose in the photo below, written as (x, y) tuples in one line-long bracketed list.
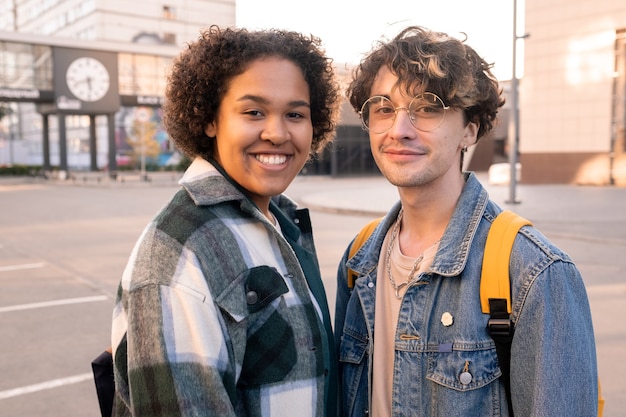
[(403, 125), (275, 131)]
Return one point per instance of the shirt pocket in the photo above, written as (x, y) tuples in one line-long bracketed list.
[(465, 382), (354, 335), (270, 351), (353, 363), (353, 347), (464, 370)]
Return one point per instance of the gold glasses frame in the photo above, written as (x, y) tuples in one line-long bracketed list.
[(426, 112)]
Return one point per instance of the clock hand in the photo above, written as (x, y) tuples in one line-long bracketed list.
[(77, 82)]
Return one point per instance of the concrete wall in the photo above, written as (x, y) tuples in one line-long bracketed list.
[(566, 92)]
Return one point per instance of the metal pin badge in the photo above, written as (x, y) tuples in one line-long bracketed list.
[(447, 319)]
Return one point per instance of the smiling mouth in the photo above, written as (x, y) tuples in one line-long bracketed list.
[(266, 159)]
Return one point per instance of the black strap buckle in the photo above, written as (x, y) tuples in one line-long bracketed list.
[(500, 327)]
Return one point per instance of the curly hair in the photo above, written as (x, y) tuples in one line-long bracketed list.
[(200, 76), (424, 60)]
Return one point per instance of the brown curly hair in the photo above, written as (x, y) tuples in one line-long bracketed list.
[(424, 60), (200, 77)]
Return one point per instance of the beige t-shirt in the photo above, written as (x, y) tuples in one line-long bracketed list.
[(386, 321)]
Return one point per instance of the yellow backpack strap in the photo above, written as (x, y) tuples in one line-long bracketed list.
[(495, 285), (600, 400), (495, 290), (494, 281), (359, 240)]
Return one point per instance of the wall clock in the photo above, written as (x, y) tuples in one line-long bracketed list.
[(88, 79)]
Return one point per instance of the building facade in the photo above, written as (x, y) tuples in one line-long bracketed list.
[(171, 22), (44, 43), (571, 96), (573, 92)]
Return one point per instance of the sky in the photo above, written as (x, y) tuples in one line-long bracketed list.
[(349, 28)]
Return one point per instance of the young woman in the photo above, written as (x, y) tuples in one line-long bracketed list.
[(221, 310)]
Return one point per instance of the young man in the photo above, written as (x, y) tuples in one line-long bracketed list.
[(411, 337), (221, 310)]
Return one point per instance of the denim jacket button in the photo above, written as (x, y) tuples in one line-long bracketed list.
[(465, 378)]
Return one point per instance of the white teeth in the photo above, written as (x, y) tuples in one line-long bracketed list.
[(271, 159)]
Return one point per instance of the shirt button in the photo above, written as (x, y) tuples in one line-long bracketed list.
[(251, 297), (370, 284), (465, 378)]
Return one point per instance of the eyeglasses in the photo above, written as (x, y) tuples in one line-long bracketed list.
[(426, 112)]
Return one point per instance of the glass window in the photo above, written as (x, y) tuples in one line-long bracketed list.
[(125, 74), (142, 75), (25, 66)]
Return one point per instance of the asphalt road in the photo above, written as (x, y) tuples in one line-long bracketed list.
[(63, 247)]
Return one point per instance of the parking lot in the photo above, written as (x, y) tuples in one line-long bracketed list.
[(63, 247)]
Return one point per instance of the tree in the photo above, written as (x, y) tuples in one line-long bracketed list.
[(142, 141), (4, 110)]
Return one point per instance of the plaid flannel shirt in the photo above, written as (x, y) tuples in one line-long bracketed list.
[(214, 316)]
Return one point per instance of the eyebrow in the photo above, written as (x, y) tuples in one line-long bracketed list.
[(263, 100), (387, 96)]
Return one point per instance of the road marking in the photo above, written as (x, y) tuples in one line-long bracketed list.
[(22, 266), (19, 187), (45, 385), (54, 303)]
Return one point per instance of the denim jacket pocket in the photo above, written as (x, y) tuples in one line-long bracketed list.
[(353, 362), (353, 348), (464, 370)]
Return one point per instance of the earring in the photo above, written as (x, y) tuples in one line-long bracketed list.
[(464, 148)]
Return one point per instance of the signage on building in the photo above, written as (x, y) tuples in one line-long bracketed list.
[(25, 94), (149, 101)]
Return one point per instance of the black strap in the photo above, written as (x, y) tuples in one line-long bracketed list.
[(500, 328), (102, 368)]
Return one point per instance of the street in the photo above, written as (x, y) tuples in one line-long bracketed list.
[(63, 247)]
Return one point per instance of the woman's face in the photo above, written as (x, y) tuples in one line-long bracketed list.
[(263, 129)]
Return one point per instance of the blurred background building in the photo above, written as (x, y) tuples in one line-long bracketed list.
[(573, 92), (571, 106)]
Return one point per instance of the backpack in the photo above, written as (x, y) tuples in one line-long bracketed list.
[(495, 287)]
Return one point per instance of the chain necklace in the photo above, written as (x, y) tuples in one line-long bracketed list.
[(416, 264)]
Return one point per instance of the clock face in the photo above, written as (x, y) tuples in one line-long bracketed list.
[(88, 79)]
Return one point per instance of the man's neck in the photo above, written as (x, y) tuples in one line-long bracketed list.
[(427, 212)]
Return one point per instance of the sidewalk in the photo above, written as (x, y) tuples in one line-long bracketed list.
[(589, 212), (588, 222)]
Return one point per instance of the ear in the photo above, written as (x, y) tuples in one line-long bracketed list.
[(211, 130), (470, 137)]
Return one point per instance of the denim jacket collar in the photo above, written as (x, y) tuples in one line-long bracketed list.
[(455, 245)]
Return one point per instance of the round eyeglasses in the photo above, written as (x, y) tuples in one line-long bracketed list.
[(426, 112)]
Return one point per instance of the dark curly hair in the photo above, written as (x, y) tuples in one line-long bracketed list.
[(424, 60), (200, 76)]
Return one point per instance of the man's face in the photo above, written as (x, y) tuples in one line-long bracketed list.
[(409, 157)]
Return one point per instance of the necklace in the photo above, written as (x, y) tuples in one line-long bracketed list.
[(416, 264)]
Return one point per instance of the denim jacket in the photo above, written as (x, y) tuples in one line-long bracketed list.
[(553, 358)]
